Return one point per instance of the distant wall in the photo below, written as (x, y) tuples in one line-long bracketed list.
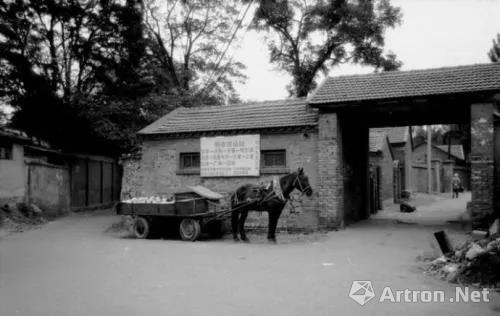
[(447, 168), (48, 187), (421, 175), (57, 182), (384, 161), (12, 177)]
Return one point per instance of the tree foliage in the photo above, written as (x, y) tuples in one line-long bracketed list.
[(312, 36), (494, 53), (55, 54), (89, 74), (188, 41)]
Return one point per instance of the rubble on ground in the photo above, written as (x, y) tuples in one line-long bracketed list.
[(475, 262), (17, 217)]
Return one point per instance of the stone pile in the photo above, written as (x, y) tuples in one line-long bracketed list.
[(476, 262), (16, 217)]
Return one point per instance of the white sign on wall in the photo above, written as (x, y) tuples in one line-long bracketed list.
[(230, 156)]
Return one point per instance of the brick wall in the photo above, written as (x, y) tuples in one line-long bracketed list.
[(330, 170), (482, 166), (131, 179), (157, 173)]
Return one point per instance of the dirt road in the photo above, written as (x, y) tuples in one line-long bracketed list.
[(432, 209), (74, 267)]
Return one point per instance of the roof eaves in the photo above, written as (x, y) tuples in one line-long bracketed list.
[(230, 130)]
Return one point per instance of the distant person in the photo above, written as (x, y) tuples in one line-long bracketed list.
[(456, 184)]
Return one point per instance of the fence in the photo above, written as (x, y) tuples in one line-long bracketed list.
[(94, 182)]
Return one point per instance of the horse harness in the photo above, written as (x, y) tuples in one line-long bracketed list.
[(277, 193)]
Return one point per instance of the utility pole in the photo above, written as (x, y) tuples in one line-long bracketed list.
[(429, 168)]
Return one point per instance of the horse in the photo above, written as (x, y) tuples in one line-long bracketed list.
[(251, 197)]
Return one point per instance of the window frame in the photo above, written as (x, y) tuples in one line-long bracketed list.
[(274, 168), (182, 169)]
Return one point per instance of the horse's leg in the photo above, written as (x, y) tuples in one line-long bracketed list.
[(243, 218), (273, 222), (234, 224)]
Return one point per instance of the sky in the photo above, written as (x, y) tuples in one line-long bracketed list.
[(433, 33)]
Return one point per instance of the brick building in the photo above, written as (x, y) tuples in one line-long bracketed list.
[(401, 143), (443, 166), (327, 134), (170, 158), (381, 169)]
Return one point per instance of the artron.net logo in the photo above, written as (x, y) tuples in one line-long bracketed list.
[(362, 292)]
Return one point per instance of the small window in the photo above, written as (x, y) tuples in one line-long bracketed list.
[(189, 161), (6, 151), (273, 159)]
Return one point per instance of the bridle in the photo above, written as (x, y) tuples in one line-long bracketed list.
[(290, 198), (301, 188)]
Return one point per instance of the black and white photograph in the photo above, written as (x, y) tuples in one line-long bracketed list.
[(249, 157)]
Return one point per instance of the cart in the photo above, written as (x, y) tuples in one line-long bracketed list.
[(193, 212)]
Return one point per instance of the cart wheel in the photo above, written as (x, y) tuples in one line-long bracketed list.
[(189, 229), (141, 227)]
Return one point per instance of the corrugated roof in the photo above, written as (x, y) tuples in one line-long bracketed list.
[(396, 134), (455, 150), (398, 84), (377, 139), (261, 115)]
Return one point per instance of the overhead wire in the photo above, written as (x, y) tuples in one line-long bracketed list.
[(222, 55)]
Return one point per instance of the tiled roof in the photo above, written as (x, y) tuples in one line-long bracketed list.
[(13, 133), (23, 137), (377, 139), (261, 115), (455, 150), (396, 134), (399, 84)]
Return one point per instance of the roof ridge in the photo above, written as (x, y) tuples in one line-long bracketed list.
[(420, 70), (290, 101), (460, 79)]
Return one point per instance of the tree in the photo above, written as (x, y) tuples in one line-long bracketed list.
[(89, 74), (494, 52), (58, 57), (188, 41), (308, 37), (438, 133)]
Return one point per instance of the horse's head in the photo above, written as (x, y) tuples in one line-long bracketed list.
[(301, 183)]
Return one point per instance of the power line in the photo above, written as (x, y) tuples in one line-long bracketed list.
[(221, 56)]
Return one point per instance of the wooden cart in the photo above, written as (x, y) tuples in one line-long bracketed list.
[(193, 212)]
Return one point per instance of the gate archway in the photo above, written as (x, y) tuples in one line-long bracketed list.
[(350, 105)]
